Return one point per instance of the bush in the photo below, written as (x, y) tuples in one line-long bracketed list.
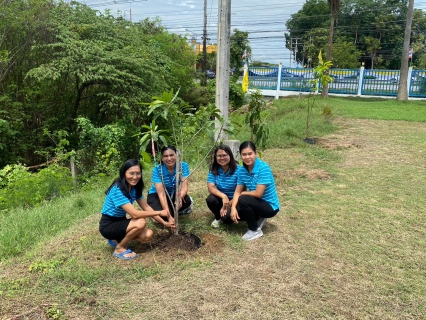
[(21, 188), (201, 96), (237, 97), (102, 150)]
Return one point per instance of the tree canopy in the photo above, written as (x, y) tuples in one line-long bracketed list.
[(239, 44), (369, 31), (60, 61)]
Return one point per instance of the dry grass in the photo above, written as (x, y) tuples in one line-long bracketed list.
[(349, 243)]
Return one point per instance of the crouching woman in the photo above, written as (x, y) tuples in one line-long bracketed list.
[(260, 200), (120, 196)]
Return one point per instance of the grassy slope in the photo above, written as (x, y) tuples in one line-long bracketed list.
[(349, 242)]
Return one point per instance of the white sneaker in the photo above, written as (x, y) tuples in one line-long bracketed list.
[(216, 223), (251, 235), (260, 223)]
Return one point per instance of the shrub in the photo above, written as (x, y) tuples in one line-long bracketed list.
[(237, 97), (20, 187), (102, 150)]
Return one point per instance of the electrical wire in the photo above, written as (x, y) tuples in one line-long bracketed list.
[(257, 33)]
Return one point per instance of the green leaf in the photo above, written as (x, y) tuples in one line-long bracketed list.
[(146, 157)]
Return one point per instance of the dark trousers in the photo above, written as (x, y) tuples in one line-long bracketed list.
[(215, 204), (154, 201), (251, 209)]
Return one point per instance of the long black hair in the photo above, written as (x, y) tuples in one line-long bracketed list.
[(245, 145), (121, 180), (232, 162)]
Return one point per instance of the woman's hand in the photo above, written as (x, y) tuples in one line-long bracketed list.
[(170, 224), (234, 215), (223, 211), (226, 205), (164, 213), (225, 201)]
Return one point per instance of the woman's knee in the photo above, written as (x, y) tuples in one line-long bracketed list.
[(145, 236), (149, 234), (212, 201), (139, 224), (244, 200)]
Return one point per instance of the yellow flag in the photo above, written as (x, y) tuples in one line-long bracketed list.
[(320, 58), (245, 81)]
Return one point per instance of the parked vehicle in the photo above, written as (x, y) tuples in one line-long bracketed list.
[(210, 74)]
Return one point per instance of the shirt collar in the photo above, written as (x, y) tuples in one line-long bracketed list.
[(256, 166), (220, 170), (167, 170)]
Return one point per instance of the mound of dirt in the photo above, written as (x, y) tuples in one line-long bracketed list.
[(166, 246), (184, 241)]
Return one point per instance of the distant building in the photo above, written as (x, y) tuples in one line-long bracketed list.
[(199, 49)]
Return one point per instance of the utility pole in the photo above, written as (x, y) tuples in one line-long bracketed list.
[(222, 65), (203, 65), (295, 50)]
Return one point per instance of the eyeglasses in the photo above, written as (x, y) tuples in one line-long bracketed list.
[(137, 174), (221, 156)]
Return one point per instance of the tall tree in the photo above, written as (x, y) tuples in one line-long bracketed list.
[(310, 17), (402, 87), (357, 19), (59, 61), (239, 44), (334, 8)]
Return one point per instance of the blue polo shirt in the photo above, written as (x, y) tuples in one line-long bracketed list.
[(114, 201), (261, 174), (224, 181), (169, 179)]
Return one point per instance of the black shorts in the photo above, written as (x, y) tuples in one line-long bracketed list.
[(154, 202), (113, 228)]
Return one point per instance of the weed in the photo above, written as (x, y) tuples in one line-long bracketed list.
[(44, 266), (54, 313)]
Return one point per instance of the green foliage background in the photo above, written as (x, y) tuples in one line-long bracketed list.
[(370, 31), (60, 62)]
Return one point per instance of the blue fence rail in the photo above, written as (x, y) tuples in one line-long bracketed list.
[(345, 81)]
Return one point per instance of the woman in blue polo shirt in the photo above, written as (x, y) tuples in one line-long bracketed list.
[(260, 200), (162, 194), (120, 196), (221, 183)]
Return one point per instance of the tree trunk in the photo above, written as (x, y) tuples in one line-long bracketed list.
[(324, 92), (178, 178), (403, 75)]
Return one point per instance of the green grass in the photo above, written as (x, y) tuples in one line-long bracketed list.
[(22, 229), (347, 245), (379, 109)]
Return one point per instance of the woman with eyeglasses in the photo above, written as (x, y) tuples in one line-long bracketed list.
[(162, 194), (120, 196), (221, 183), (255, 198)]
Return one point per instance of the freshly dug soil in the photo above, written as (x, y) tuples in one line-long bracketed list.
[(166, 247), (182, 241)]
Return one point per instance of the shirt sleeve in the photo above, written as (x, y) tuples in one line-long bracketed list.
[(185, 170), (118, 198), (240, 173), (156, 175), (265, 174), (210, 178)]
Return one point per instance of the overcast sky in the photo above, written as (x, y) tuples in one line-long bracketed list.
[(264, 20)]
